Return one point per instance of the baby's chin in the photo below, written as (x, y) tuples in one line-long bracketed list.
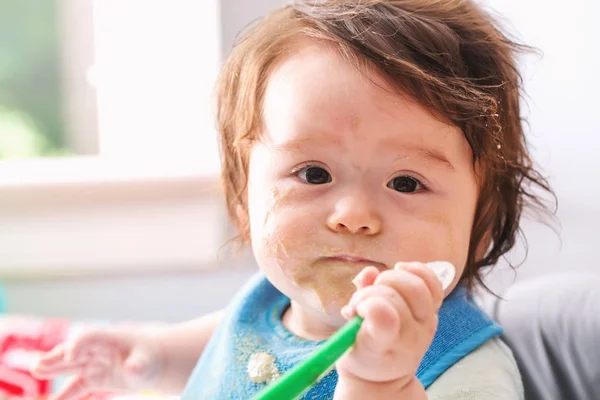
[(333, 316), (322, 305), (328, 314), (327, 295)]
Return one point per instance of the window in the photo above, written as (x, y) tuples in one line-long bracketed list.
[(46, 106), (120, 176)]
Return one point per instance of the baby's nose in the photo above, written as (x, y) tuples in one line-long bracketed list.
[(353, 215)]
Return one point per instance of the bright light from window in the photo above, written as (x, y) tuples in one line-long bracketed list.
[(155, 68)]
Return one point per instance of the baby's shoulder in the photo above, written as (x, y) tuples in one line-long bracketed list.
[(488, 372)]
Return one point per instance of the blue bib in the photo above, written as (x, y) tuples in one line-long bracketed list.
[(253, 324)]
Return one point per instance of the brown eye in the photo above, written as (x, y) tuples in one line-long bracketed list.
[(315, 175), (405, 184)]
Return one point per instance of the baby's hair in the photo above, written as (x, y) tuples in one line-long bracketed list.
[(448, 55)]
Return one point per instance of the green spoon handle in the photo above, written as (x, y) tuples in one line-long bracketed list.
[(304, 375)]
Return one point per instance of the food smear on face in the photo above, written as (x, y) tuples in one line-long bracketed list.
[(262, 368), (331, 282)]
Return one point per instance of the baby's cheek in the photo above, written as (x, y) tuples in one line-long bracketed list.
[(277, 239), (436, 239), (450, 240), (274, 247)]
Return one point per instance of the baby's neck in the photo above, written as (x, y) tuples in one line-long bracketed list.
[(307, 325)]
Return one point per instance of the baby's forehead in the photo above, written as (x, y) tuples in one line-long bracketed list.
[(318, 92), (314, 70)]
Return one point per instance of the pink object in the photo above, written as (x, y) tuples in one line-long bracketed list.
[(22, 341)]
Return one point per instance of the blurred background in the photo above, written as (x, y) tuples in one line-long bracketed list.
[(108, 155)]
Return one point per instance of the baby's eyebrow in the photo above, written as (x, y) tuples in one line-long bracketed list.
[(300, 144), (427, 154)]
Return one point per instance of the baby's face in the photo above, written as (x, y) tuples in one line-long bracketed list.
[(349, 175)]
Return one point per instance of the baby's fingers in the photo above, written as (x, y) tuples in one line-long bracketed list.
[(54, 364), (94, 339), (381, 324), (59, 370), (413, 290), (438, 276), (366, 277), (56, 355)]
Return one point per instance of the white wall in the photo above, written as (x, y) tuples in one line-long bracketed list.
[(237, 14), (153, 297)]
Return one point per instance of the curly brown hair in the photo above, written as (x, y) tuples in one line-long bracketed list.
[(450, 56)]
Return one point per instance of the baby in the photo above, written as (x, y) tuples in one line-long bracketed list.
[(362, 142)]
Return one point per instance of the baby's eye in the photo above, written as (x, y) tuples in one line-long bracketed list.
[(405, 184), (314, 175)]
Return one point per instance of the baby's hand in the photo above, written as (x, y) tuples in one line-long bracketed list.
[(120, 359), (400, 309)]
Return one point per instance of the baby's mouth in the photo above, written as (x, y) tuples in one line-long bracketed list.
[(356, 261)]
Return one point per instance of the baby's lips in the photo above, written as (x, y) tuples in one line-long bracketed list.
[(444, 270)]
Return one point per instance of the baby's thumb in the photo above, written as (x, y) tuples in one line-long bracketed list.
[(366, 277)]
